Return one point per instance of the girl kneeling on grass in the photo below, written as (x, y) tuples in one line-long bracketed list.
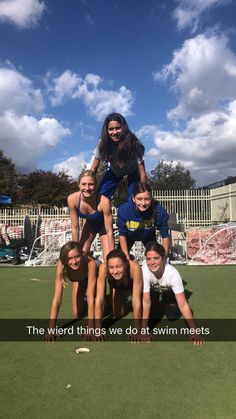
[(157, 272), (124, 277), (81, 270)]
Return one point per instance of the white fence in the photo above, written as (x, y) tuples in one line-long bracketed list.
[(194, 208)]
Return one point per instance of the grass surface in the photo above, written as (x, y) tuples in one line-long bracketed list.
[(116, 380)]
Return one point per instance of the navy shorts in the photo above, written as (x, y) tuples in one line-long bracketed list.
[(110, 182)]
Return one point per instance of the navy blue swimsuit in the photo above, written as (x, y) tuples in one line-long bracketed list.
[(95, 220)]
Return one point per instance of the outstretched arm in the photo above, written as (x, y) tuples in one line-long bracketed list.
[(108, 221), (56, 303), (136, 274), (95, 165), (187, 314), (91, 289), (124, 246), (166, 244), (146, 308), (100, 295), (71, 200), (142, 173)]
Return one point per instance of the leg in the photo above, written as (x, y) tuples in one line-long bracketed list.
[(78, 298), (157, 309), (87, 237), (118, 303), (108, 184), (104, 244), (171, 308), (132, 179)]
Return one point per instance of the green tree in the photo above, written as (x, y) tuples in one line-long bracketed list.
[(8, 176), (168, 175), (45, 188)]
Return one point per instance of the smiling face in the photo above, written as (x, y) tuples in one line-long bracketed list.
[(114, 129), (74, 259), (155, 262), (142, 201), (87, 186), (116, 268)]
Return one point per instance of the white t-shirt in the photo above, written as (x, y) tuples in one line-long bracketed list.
[(170, 278)]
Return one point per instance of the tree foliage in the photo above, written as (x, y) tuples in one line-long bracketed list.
[(8, 176), (168, 175), (45, 188)]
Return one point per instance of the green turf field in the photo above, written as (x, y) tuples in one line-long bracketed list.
[(116, 379)]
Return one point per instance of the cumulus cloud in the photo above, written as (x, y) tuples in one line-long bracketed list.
[(23, 136), (202, 73), (73, 165), (98, 101), (206, 146), (22, 13), (17, 93), (188, 12)]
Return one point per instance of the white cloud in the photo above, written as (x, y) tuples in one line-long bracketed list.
[(17, 93), (189, 12), (22, 13), (98, 101), (206, 147), (23, 137), (63, 87), (203, 73), (73, 165)]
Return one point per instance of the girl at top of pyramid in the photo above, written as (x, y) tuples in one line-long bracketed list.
[(123, 153)]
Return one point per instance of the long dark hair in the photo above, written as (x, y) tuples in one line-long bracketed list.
[(141, 187), (71, 245), (117, 253), (156, 247), (128, 143)]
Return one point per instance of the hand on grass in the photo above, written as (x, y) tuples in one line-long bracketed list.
[(197, 340), (51, 337)]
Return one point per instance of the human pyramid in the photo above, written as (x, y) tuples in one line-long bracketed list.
[(138, 219)]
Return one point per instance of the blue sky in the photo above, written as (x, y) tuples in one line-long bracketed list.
[(168, 66)]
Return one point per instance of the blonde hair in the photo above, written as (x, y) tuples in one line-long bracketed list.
[(71, 245), (86, 172)]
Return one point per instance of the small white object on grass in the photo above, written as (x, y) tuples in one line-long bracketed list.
[(68, 386), (82, 350)]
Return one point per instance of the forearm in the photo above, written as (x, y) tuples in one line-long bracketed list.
[(166, 244), (142, 173), (54, 313), (187, 314), (137, 311), (95, 165), (146, 313), (124, 246), (91, 307), (111, 242), (99, 302), (75, 233)]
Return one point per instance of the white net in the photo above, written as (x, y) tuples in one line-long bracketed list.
[(212, 245)]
